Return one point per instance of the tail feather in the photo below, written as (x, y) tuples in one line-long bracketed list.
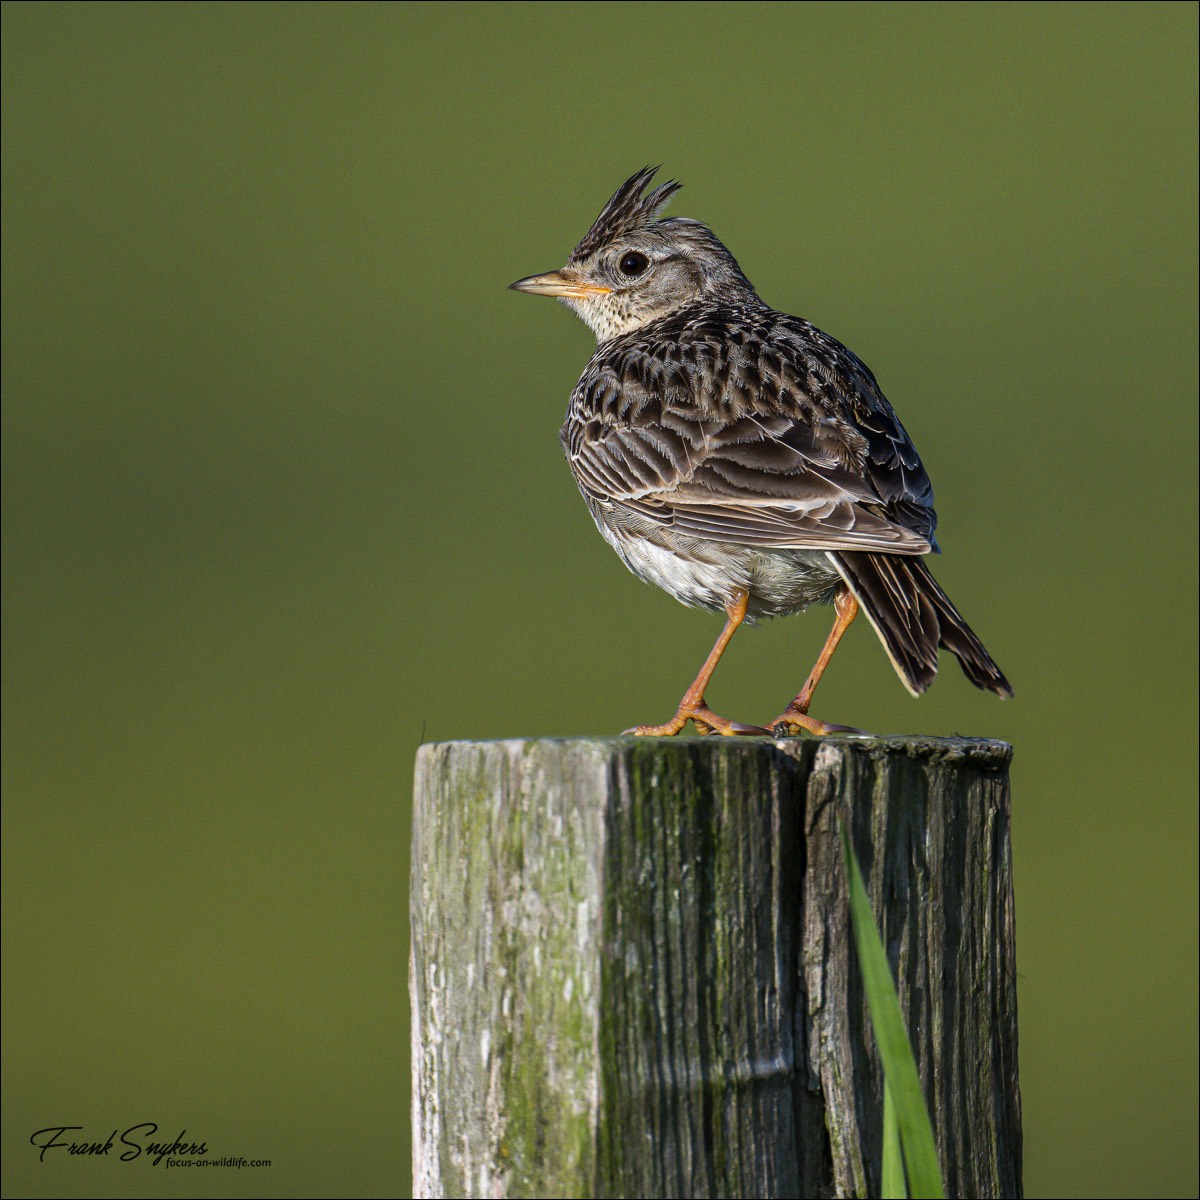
[(913, 617)]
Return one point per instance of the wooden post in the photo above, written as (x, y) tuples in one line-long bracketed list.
[(633, 973)]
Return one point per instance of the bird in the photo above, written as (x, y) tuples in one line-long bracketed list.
[(743, 460)]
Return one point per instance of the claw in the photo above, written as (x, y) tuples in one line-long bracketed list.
[(792, 723), (706, 722), (739, 730)]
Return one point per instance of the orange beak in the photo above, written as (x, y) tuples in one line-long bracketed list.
[(565, 284)]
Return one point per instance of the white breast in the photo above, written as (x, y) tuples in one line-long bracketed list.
[(703, 574)]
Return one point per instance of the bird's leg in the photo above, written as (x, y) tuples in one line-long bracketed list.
[(795, 717), (845, 608), (692, 707)]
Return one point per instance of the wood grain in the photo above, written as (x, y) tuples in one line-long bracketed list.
[(632, 969)]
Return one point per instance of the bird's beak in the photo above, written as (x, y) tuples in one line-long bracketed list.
[(566, 284)]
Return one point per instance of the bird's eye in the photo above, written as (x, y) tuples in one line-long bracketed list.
[(633, 263)]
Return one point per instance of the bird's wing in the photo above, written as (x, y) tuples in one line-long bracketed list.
[(891, 465), (741, 455)]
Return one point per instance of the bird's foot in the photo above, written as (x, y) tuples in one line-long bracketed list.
[(793, 721), (705, 720)]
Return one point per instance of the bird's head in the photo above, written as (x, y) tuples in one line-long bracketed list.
[(633, 267)]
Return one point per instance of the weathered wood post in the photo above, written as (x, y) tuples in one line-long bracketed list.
[(633, 973)]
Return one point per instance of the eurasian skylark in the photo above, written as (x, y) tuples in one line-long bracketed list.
[(743, 460)]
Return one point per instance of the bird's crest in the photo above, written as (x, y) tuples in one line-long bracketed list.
[(626, 211)]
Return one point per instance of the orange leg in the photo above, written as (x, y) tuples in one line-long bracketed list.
[(692, 707), (795, 717)]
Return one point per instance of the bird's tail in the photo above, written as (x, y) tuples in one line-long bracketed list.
[(913, 617)]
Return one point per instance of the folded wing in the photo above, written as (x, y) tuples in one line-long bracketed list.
[(755, 467)]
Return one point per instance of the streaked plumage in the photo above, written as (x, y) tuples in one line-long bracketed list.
[(726, 448)]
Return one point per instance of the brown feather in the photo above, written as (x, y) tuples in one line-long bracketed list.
[(914, 617)]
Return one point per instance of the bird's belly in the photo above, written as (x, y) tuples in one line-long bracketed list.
[(704, 574)]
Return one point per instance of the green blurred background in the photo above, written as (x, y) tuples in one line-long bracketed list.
[(283, 496)]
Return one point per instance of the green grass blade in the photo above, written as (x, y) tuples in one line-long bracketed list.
[(900, 1070), (894, 1187)]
